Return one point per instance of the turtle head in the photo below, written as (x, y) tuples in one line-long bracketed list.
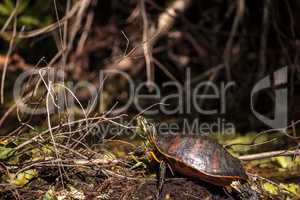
[(145, 128)]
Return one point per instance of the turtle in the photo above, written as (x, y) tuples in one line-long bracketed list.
[(198, 156)]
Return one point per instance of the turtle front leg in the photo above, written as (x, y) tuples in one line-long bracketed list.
[(161, 179)]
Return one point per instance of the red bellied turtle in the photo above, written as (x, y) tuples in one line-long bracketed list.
[(194, 156)]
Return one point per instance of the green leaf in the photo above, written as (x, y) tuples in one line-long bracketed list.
[(291, 187), (6, 152), (28, 20), (24, 177), (4, 10), (270, 188), (283, 161), (9, 4), (50, 195)]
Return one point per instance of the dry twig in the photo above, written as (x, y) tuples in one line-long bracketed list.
[(269, 154)]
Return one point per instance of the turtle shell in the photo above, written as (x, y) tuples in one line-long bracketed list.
[(200, 157)]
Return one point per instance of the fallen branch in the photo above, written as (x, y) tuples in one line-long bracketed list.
[(270, 154)]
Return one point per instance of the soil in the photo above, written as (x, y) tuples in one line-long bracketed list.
[(119, 188), (176, 189)]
